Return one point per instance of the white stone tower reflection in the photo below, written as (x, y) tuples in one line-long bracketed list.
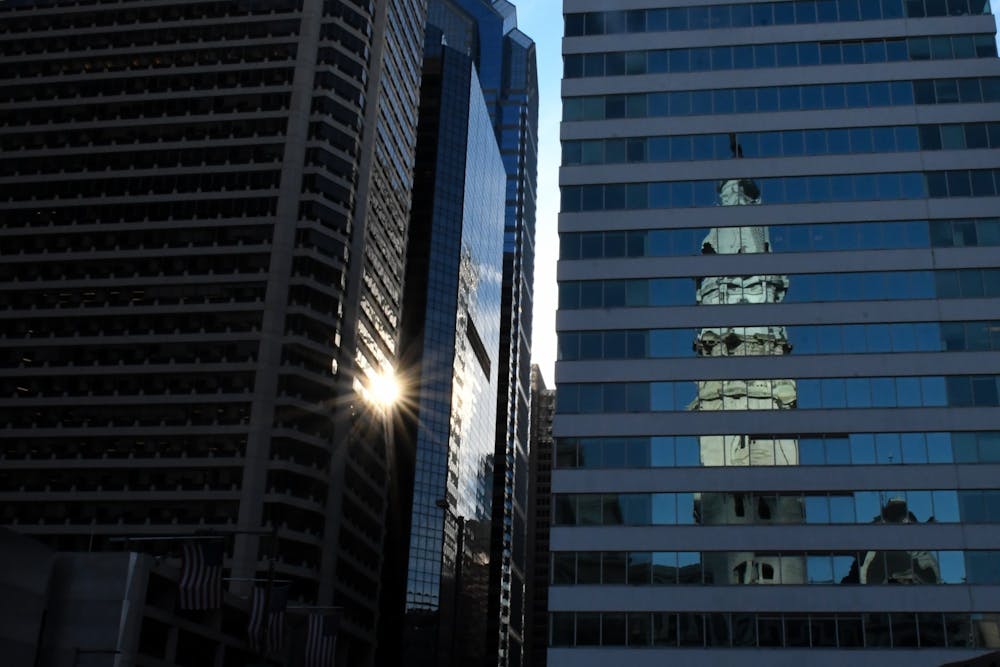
[(746, 567)]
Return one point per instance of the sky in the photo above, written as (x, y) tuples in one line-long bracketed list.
[(542, 21)]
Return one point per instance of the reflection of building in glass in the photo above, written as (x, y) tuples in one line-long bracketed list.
[(731, 394), (895, 567), (436, 590), (898, 567), (819, 406), (505, 61)]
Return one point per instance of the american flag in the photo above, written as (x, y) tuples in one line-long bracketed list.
[(275, 620), (201, 575), (321, 639)]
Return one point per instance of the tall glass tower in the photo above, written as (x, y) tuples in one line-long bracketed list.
[(505, 61), (777, 435), (437, 574)]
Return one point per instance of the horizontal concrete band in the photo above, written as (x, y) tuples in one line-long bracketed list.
[(833, 598), (861, 420), (653, 657), (794, 537), (900, 364), (776, 478)]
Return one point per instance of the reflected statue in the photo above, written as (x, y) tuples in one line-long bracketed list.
[(713, 290), (895, 567), (899, 567), (745, 450)]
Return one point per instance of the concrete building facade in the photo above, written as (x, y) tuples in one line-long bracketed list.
[(204, 213), (536, 612), (776, 430)]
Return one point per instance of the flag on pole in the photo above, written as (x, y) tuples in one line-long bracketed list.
[(321, 639), (271, 623), (201, 574)]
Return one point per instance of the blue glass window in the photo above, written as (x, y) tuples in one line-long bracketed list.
[(848, 10), (767, 99), (852, 52), (789, 98), (761, 13), (805, 11), (828, 393)]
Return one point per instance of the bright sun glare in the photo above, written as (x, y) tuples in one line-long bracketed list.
[(384, 388)]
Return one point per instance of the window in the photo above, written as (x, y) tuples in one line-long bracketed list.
[(613, 629), (664, 629), (614, 568), (563, 568), (791, 97), (640, 568), (588, 568), (588, 629), (563, 629), (679, 508), (639, 629)]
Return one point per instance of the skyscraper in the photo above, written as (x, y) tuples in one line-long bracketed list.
[(536, 614), (505, 61), (437, 570), (778, 378), (204, 211)]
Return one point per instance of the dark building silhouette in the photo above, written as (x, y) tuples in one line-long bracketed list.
[(203, 209), (536, 612), (78, 609), (437, 569)]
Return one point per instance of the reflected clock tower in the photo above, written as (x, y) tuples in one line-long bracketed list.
[(745, 567)]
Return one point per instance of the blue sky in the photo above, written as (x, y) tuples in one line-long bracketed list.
[(542, 21)]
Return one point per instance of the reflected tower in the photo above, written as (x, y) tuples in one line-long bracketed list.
[(745, 567), (769, 359), (505, 64), (435, 583)]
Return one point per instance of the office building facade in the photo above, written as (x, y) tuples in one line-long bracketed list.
[(536, 614), (505, 60), (448, 362), (204, 213), (777, 432)]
